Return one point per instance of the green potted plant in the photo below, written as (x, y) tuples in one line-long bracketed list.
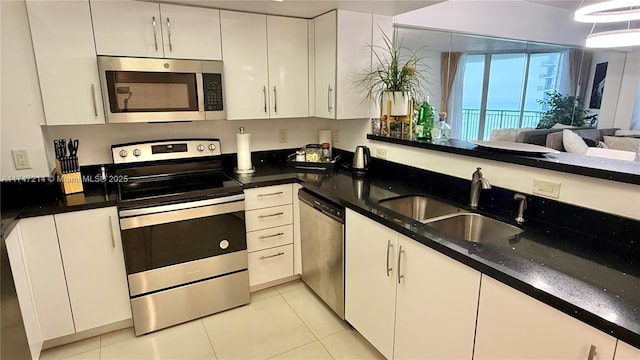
[(563, 109), (396, 75)]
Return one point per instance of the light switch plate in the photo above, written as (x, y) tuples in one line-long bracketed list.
[(546, 188), (381, 153)]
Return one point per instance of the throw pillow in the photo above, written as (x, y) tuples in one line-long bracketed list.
[(623, 143), (573, 143), (561, 126)]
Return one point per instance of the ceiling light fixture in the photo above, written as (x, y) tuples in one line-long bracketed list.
[(616, 38), (609, 11)]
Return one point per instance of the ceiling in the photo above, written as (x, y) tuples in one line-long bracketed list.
[(313, 8)]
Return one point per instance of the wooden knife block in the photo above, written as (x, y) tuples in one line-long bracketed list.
[(70, 183)]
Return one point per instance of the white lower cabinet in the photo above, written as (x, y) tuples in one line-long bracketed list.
[(408, 301), (76, 270), (269, 224), (93, 261), (512, 325)]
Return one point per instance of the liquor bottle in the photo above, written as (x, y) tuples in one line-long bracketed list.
[(425, 121)]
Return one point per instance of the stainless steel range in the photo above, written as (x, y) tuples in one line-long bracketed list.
[(183, 231)]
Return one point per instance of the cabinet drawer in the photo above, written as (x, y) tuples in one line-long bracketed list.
[(270, 264), (269, 217), (268, 238), (267, 196)]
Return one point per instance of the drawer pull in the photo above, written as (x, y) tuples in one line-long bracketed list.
[(389, 246), (271, 194), (270, 236), (400, 252), (271, 256), (592, 353), (270, 215)]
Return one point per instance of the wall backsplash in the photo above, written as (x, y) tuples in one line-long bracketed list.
[(96, 140)]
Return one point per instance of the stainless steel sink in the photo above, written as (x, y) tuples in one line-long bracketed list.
[(419, 207), (474, 227)]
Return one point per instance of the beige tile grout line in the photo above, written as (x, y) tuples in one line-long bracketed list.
[(208, 338), (305, 324)]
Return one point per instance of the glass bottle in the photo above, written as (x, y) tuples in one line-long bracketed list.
[(445, 129), (425, 121)]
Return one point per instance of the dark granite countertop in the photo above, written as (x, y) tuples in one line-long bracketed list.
[(593, 279)]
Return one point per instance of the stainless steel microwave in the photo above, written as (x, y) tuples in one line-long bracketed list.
[(161, 90)]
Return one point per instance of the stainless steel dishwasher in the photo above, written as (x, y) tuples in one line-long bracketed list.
[(322, 247)]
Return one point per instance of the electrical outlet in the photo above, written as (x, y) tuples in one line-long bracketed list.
[(335, 136), (282, 135), (546, 188), (381, 153), (20, 159)]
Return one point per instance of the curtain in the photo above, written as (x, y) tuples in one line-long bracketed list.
[(566, 84), (579, 70), (449, 66), (455, 99)]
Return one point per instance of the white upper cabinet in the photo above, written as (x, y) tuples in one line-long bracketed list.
[(244, 44), (93, 260), (325, 42), (144, 29), (265, 66), (127, 28), (512, 325), (191, 33), (66, 61), (342, 54), (287, 44)]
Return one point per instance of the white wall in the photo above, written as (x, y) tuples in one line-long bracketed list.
[(629, 99), (21, 110), (514, 19), (96, 140), (608, 196)]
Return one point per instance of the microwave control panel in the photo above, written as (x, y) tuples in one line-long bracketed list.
[(212, 84)]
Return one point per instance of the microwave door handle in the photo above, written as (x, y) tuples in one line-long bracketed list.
[(201, 94)]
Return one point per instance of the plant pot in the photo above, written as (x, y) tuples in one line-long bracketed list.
[(399, 103)]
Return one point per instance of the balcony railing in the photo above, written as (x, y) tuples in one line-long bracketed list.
[(496, 119)]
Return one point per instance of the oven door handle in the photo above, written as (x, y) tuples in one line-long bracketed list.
[(179, 215), (181, 206)]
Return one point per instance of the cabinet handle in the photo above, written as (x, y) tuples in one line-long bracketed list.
[(95, 102), (113, 237), (270, 215), (264, 95), (270, 236), (271, 194), (271, 256), (275, 100), (592, 353), (155, 35), (389, 246), (400, 252), (169, 35), (329, 107)]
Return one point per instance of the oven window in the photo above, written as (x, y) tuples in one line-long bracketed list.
[(156, 246), (137, 91)]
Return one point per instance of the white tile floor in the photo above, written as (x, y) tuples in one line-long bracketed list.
[(283, 322)]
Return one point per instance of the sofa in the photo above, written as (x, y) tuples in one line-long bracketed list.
[(552, 138)]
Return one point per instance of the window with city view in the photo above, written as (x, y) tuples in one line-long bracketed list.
[(503, 90)]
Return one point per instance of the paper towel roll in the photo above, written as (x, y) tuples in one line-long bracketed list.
[(243, 141), (324, 136)]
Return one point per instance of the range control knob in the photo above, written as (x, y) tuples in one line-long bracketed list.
[(123, 153), (137, 152), (212, 147), (200, 147)]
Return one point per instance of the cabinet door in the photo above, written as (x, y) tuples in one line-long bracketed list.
[(244, 47), (325, 43), (127, 28), (288, 67), (370, 280), (625, 351), (436, 305), (66, 60), (47, 277), (512, 325), (353, 59), (94, 266), (25, 303), (190, 32)]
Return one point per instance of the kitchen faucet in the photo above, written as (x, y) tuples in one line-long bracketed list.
[(477, 182)]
